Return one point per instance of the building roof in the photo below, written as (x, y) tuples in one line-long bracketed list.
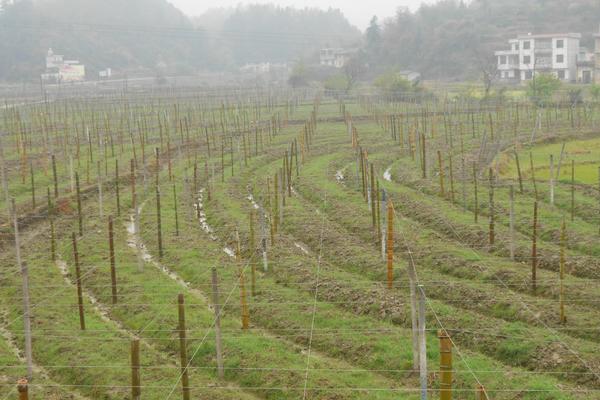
[(550, 36)]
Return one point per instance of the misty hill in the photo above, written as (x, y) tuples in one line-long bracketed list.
[(267, 32), (108, 33), (138, 35), (449, 39)]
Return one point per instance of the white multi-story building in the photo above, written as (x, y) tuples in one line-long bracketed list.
[(532, 54), (335, 57)]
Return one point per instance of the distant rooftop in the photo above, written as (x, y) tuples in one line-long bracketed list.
[(550, 36)]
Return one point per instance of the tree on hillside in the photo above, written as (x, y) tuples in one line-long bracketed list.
[(373, 37)]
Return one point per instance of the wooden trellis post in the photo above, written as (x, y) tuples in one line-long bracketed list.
[(79, 211), (78, 281), (441, 172), (475, 194), (185, 382), (519, 172), (175, 209), (512, 222), (534, 246), (217, 307), (491, 210), (481, 393), (412, 276), (136, 390), (572, 190), (25, 277), (117, 188), (563, 239), (23, 389), (113, 271), (390, 244), (445, 365), (159, 223), (422, 343)]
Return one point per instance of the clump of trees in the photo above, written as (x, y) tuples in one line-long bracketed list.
[(395, 86), (542, 88)]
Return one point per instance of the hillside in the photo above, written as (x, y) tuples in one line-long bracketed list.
[(145, 33), (448, 39)]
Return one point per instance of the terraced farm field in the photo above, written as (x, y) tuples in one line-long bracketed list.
[(248, 244)]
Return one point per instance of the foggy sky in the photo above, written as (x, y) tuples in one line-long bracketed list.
[(358, 12)]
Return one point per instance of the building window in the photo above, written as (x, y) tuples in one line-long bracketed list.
[(560, 58), (502, 60), (526, 45), (526, 59), (560, 44), (561, 74), (528, 74)]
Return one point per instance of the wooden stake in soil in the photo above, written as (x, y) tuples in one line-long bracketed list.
[(54, 176), (244, 301), (79, 213), (491, 210), (51, 212), (159, 223), (481, 393), (441, 172), (100, 202), (113, 271), (422, 343), (175, 209), (136, 389), (217, 307), (390, 244), (534, 247), (32, 185), (412, 275), (185, 382), (117, 193), (475, 194), (563, 239), (78, 281), (25, 277), (445, 365), (133, 194), (23, 389), (512, 223), (572, 190), (551, 179), (519, 172)]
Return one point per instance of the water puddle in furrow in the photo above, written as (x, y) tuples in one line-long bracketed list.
[(199, 207), (387, 175), (134, 241), (99, 308)]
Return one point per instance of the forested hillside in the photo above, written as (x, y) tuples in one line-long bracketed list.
[(451, 38), (146, 33)]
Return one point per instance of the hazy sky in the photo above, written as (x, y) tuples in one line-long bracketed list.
[(359, 12)]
